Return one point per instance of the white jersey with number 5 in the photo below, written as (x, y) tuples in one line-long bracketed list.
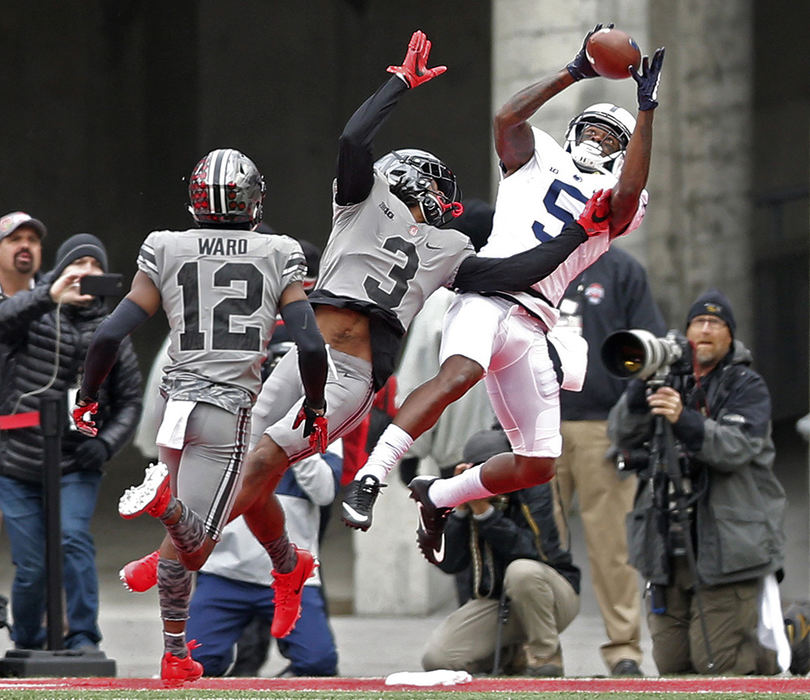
[(220, 291), (533, 205)]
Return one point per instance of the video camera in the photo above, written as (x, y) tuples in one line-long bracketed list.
[(638, 353)]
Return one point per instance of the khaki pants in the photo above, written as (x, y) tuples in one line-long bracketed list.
[(730, 613), (542, 604), (605, 497)]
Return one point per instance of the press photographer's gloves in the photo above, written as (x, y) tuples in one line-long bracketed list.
[(647, 81), (414, 70), (580, 67)]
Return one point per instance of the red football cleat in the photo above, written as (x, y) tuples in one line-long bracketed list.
[(140, 575), (151, 496), (288, 589), (175, 671)]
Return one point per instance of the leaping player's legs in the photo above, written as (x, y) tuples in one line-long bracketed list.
[(470, 326), (524, 393)]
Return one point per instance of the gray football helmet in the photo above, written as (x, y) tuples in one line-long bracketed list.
[(226, 187), (410, 172)]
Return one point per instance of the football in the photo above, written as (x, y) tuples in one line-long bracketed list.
[(611, 51)]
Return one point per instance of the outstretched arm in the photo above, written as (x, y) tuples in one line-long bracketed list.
[(355, 174), (636, 169), (142, 302), (299, 320), (514, 141), (520, 271)]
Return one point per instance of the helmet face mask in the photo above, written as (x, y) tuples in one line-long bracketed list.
[(419, 178), (588, 155), (226, 188)]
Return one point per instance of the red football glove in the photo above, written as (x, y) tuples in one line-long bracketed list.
[(595, 218), (315, 426), (414, 70), (80, 410)]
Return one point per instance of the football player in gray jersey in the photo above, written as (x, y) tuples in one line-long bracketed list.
[(221, 285), (385, 255)]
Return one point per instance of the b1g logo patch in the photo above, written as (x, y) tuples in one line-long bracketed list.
[(594, 293)]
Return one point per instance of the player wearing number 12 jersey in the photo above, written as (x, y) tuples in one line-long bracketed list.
[(221, 285), (508, 335)]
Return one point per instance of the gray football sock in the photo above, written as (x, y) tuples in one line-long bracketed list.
[(174, 591), (188, 533)]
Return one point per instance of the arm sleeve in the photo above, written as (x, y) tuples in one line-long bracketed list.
[(517, 272), (299, 319), (103, 350), (355, 166), (125, 400)]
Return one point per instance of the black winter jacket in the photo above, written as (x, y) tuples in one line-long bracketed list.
[(31, 330), (523, 529)]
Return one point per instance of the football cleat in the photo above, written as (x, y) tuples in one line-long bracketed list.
[(430, 532), (358, 501), (140, 575), (797, 628), (287, 593), (175, 671), (151, 496)]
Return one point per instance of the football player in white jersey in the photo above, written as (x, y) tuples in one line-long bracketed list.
[(221, 285), (503, 336)]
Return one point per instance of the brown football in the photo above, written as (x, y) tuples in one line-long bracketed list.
[(611, 51)]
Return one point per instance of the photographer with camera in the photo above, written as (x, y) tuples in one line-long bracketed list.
[(706, 530), (521, 583)]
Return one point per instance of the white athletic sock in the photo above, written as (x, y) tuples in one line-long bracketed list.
[(451, 492), (392, 445)]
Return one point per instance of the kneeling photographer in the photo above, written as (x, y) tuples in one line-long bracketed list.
[(706, 530)]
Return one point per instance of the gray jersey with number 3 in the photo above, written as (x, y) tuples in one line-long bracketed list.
[(220, 291), (379, 256)]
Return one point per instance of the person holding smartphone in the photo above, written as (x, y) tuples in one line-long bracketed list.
[(47, 330)]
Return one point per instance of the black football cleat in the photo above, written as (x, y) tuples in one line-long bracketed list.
[(430, 532), (358, 501)]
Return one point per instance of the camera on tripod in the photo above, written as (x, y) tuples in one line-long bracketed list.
[(639, 354)]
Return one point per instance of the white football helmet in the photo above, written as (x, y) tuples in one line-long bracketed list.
[(588, 155)]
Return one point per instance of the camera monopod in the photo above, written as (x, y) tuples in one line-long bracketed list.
[(664, 460)]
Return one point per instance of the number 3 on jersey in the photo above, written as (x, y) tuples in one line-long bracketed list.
[(400, 275), (555, 210), (192, 337)]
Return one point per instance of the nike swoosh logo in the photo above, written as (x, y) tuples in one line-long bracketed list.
[(353, 513), (438, 554), (433, 247)]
